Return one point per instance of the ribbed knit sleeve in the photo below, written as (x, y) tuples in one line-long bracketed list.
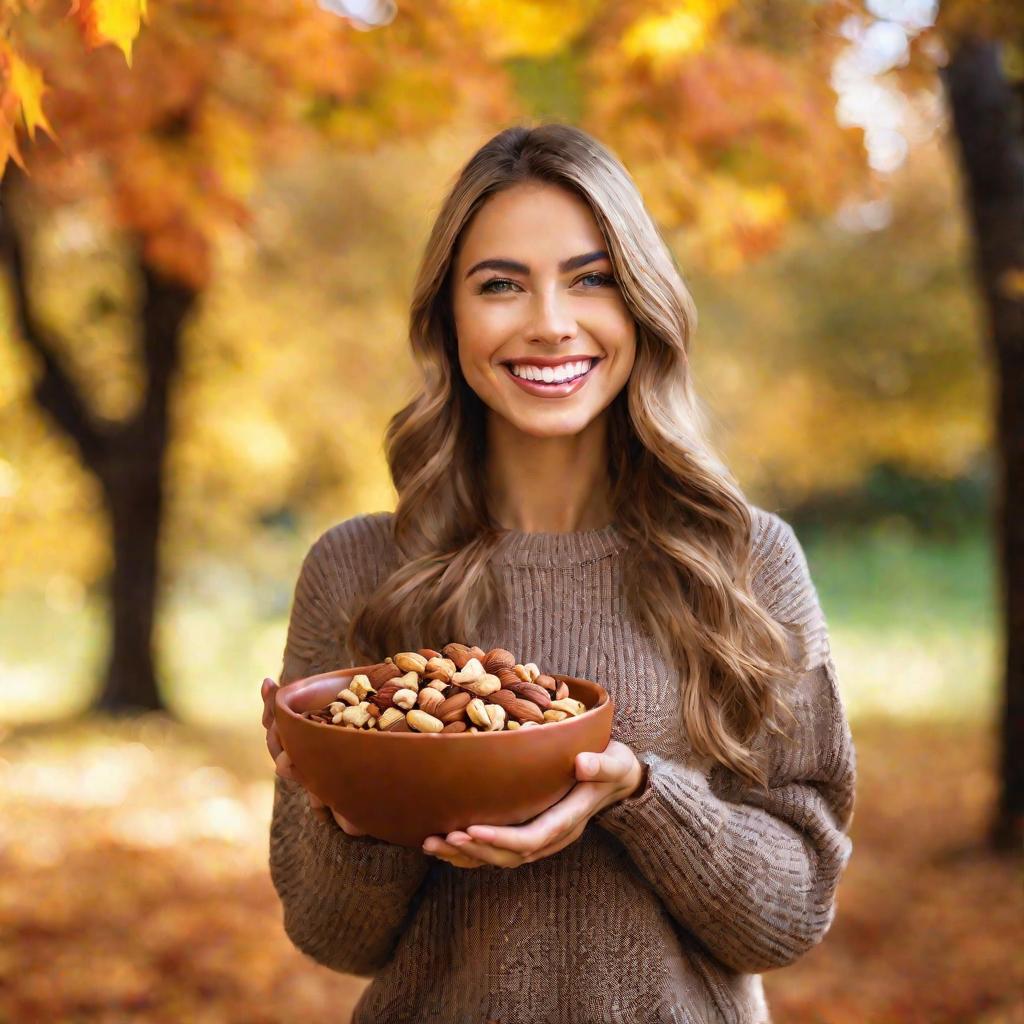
[(753, 874), (345, 898)]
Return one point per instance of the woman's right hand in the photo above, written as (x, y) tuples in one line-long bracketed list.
[(283, 763)]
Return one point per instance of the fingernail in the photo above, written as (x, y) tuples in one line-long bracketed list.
[(588, 764), (483, 832), (458, 840)]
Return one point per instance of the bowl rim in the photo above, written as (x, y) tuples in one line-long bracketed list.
[(603, 698)]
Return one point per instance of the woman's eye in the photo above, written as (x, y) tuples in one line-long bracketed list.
[(488, 286), (493, 285), (603, 279)]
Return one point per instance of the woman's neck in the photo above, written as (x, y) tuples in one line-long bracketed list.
[(548, 484)]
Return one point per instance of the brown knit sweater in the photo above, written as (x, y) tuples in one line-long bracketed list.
[(668, 905)]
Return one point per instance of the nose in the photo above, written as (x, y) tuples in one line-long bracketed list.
[(553, 318)]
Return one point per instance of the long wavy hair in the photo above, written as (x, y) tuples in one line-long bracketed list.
[(688, 525)]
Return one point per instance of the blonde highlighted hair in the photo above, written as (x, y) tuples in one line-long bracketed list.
[(688, 525)]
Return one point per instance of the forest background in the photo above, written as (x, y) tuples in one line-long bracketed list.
[(211, 223)]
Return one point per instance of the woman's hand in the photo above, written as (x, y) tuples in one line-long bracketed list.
[(283, 763), (616, 774)]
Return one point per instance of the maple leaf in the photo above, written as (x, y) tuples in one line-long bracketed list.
[(110, 21), (21, 93)]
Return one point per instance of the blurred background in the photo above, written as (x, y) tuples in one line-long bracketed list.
[(211, 218)]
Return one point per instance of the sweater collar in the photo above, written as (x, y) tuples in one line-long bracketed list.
[(517, 547)]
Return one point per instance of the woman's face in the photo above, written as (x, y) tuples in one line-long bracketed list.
[(533, 284)]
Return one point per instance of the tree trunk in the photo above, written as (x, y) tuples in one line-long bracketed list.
[(127, 458), (132, 479), (989, 129)]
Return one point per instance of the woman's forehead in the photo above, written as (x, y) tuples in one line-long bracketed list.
[(539, 225)]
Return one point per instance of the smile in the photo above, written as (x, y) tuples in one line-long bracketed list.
[(554, 389)]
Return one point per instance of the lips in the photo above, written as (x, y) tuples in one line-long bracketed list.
[(553, 390)]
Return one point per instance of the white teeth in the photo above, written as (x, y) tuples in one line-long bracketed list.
[(552, 374)]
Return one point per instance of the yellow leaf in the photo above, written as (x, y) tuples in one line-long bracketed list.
[(765, 204), (524, 28), (110, 21), (661, 39), (229, 149), (27, 84)]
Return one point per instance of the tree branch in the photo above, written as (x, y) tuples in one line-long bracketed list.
[(55, 392)]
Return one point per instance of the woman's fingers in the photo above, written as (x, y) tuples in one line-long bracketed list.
[(274, 742), (346, 826), (284, 767), (444, 850), (267, 691), (283, 763)]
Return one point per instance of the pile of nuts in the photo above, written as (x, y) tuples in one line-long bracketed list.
[(456, 689)]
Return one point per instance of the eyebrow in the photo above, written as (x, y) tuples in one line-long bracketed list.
[(515, 267)]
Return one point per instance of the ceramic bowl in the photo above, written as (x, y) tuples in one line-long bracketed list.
[(404, 786)]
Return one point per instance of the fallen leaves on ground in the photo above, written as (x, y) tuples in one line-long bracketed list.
[(134, 886)]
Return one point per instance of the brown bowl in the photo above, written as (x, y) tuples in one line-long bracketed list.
[(405, 786)]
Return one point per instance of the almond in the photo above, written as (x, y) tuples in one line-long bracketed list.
[(497, 658), (550, 683), (531, 691), (429, 652), (459, 653), (383, 673), (507, 678), (525, 711), (453, 707), (399, 724), (562, 692), (459, 726), (384, 697), (429, 700), (506, 698)]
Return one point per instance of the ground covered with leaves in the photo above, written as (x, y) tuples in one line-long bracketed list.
[(134, 886)]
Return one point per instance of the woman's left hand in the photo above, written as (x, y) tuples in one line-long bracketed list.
[(616, 775)]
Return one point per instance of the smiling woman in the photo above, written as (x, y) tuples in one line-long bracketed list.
[(557, 496), (550, 310)]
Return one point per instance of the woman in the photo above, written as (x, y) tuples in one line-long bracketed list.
[(585, 526)]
